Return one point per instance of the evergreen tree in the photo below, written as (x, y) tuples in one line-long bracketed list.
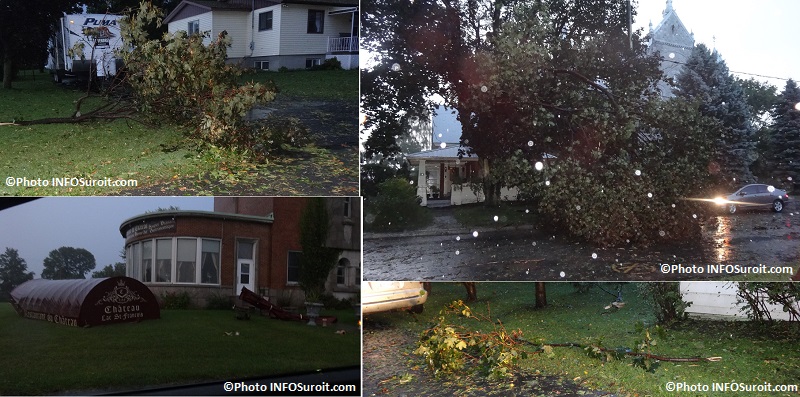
[(786, 136), (13, 272), (706, 78), (317, 259)]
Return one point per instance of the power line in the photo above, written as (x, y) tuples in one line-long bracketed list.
[(733, 71)]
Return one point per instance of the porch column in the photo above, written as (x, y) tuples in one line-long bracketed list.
[(422, 184)]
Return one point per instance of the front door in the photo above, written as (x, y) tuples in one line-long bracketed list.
[(245, 269), (245, 275)]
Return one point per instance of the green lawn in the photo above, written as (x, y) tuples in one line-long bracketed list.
[(155, 156), (507, 213), (751, 353), (320, 84), (184, 346)]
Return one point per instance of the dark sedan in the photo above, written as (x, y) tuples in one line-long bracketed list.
[(754, 196)]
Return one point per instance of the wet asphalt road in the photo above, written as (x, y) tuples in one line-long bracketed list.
[(447, 251)]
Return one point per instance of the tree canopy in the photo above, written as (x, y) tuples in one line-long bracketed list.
[(68, 263), (117, 269), (13, 272), (26, 27), (786, 135)]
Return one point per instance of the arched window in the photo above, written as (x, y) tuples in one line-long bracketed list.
[(341, 271)]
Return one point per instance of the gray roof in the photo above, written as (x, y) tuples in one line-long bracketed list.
[(447, 153)]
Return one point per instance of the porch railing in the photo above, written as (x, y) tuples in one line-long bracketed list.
[(343, 44)]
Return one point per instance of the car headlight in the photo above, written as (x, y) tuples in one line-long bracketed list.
[(720, 201)]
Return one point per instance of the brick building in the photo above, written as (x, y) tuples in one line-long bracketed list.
[(251, 242)]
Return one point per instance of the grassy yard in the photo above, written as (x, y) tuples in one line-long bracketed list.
[(751, 353), (507, 213), (184, 346), (331, 84), (161, 159)]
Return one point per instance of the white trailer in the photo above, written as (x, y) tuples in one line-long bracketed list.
[(83, 45)]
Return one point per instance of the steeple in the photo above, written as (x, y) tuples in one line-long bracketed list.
[(668, 9)]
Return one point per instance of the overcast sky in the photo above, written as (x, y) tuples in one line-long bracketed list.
[(38, 227), (755, 37)]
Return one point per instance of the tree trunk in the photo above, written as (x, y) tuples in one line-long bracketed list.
[(8, 67), (472, 292), (541, 295)]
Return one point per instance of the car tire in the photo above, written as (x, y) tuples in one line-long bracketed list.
[(777, 206), (417, 309), (731, 208)]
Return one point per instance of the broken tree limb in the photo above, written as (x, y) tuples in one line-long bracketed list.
[(540, 348)]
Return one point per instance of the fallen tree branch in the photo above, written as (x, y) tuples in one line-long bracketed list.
[(627, 353)]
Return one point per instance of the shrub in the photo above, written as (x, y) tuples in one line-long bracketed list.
[(755, 296), (666, 301), (218, 301), (176, 300), (329, 64), (397, 207)]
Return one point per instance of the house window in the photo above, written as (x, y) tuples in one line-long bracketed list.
[(193, 27), (311, 62), (187, 260), (265, 21), (293, 267), (348, 207), (261, 65), (147, 261), (209, 257), (164, 261), (316, 20), (185, 253), (341, 271)]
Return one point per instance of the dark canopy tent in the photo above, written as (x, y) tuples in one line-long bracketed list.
[(85, 302)]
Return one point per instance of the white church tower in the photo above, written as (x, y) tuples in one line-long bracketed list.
[(674, 43)]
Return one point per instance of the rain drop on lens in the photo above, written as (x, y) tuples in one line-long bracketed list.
[(771, 189), (457, 252), (694, 216), (671, 55), (458, 238), (562, 274), (396, 67), (649, 195), (538, 166), (443, 145), (530, 143), (662, 233), (578, 207), (594, 256), (637, 173), (475, 234), (496, 218), (547, 183)]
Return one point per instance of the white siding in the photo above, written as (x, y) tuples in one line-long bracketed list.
[(294, 37), (267, 43), (183, 24), (237, 24), (718, 299)]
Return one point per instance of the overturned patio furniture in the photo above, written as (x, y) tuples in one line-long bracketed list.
[(85, 302), (276, 312)]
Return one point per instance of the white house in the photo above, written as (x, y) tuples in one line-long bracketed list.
[(718, 300), (268, 35)]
